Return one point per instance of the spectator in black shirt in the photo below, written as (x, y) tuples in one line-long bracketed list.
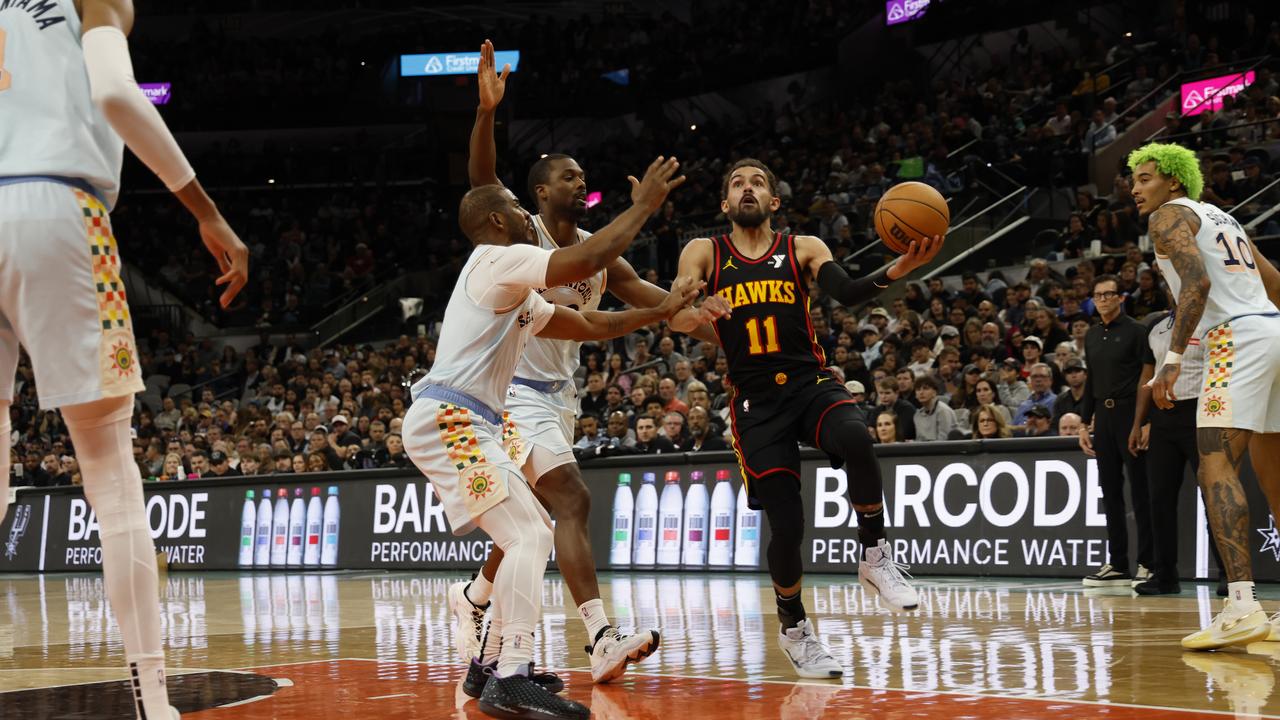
[(220, 465), (342, 435), (701, 435), (1037, 423), (891, 402), (970, 290), (393, 455), (594, 401), (1114, 349), (648, 441), (1072, 399)]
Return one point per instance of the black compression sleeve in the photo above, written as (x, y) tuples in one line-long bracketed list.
[(835, 281)]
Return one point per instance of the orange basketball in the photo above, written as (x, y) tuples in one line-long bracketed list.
[(910, 211)]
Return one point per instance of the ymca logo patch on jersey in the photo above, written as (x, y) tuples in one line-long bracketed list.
[(777, 261)]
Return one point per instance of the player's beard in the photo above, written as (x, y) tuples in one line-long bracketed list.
[(750, 218)]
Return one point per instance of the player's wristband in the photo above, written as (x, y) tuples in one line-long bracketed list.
[(1172, 358)]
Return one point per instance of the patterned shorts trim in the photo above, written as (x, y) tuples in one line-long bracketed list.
[(1219, 358), (458, 436), (113, 307), (511, 439)]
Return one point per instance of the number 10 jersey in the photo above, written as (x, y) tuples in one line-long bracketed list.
[(1237, 289)]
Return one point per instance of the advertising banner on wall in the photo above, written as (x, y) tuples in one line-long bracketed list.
[(1005, 511)]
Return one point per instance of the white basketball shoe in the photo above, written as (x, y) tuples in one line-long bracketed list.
[(470, 622), (806, 652), (880, 575)]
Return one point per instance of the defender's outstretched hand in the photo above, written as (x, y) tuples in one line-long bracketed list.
[(683, 292), (492, 85), (652, 191)]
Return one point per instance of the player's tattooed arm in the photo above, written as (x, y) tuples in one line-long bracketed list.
[(1173, 229)]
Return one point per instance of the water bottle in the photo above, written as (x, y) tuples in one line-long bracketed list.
[(262, 539), (670, 510), (646, 522), (297, 529), (694, 552), (315, 525), (329, 543), (720, 551), (747, 551), (248, 525), (280, 529), (623, 516)]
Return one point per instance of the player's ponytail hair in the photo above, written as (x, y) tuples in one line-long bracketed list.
[(1172, 161)]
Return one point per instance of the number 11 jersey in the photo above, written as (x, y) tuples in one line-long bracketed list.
[(769, 339), (1237, 289)]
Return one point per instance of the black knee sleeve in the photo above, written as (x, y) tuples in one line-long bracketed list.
[(779, 496), (844, 436)]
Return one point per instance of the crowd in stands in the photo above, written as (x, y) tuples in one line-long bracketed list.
[(1035, 114), (983, 359)]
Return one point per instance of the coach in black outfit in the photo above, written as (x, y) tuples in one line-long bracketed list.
[(1114, 349), (1170, 446)]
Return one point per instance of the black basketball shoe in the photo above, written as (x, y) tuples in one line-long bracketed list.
[(520, 698), (478, 674)]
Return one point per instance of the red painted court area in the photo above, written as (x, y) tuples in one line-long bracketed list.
[(391, 690)]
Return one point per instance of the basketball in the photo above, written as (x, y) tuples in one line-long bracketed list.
[(910, 211)]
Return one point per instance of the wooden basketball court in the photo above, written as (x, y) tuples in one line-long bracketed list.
[(378, 645)]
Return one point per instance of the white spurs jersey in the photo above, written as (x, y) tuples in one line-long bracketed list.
[(553, 360), (1237, 288), (48, 123), (492, 313)]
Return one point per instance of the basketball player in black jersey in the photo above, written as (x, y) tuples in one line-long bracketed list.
[(784, 393)]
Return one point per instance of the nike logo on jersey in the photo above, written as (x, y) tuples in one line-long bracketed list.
[(777, 261), (729, 265)]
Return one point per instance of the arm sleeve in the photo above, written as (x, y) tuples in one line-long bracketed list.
[(131, 115), (835, 281)]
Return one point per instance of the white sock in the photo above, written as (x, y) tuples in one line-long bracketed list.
[(492, 640), (479, 590), (151, 699), (1242, 593), (517, 653), (593, 614)]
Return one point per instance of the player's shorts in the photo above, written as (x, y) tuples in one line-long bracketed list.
[(769, 422), (545, 421), (1242, 375), (470, 461), (61, 296)]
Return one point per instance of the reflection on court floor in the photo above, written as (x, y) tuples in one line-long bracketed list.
[(356, 644)]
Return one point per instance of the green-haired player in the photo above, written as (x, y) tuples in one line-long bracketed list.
[(1226, 293)]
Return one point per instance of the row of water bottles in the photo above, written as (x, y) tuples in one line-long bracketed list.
[(696, 530), (289, 534)]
